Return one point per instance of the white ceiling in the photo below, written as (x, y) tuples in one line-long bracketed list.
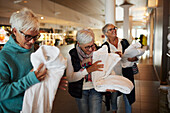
[(96, 8), (77, 13)]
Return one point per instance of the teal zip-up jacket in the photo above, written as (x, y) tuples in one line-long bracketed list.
[(15, 76)]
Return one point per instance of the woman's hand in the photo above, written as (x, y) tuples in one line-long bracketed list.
[(95, 67), (132, 59), (40, 73), (119, 53), (63, 83), (111, 90)]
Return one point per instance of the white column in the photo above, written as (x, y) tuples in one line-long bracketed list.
[(126, 5), (110, 10), (136, 31), (130, 28), (126, 21)]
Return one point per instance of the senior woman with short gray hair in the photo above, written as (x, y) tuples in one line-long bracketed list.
[(79, 73), (15, 65)]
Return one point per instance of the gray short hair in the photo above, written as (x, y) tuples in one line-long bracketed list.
[(104, 29), (24, 20), (84, 36)]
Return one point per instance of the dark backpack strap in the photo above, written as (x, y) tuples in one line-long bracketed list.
[(106, 43), (124, 42)]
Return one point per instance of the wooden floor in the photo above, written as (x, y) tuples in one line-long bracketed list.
[(147, 93), (147, 88)]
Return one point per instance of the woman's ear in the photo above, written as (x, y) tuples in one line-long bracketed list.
[(78, 44), (14, 31)]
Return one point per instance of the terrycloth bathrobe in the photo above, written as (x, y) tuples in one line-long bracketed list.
[(103, 80), (39, 98)]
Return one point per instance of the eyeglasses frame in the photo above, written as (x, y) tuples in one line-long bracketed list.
[(115, 28), (32, 37), (88, 47)]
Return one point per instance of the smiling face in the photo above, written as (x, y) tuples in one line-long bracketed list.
[(88, 48), (111, 32), (21, 40)]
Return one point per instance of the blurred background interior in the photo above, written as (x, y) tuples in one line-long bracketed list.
[(147, 21)]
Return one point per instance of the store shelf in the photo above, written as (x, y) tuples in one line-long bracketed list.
[(50, 38)]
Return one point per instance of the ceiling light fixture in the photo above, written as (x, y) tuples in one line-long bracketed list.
[(17, 1), (152, 3), (42, 18), (57, 13), (25, 1), (42, 10), (147, 14), (126, 3)]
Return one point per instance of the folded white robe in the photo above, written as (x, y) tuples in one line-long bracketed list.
[(102, 80), (133, 50), (39, 98), (115, 82)]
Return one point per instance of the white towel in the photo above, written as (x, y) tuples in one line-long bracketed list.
[(108, 59), (39, 98), (168, 37), (102, 80), (133, 50), (115, 82), (168, 44)]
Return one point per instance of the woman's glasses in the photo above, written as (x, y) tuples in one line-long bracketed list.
[(88, 47), (115, 28), (29, 37)]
